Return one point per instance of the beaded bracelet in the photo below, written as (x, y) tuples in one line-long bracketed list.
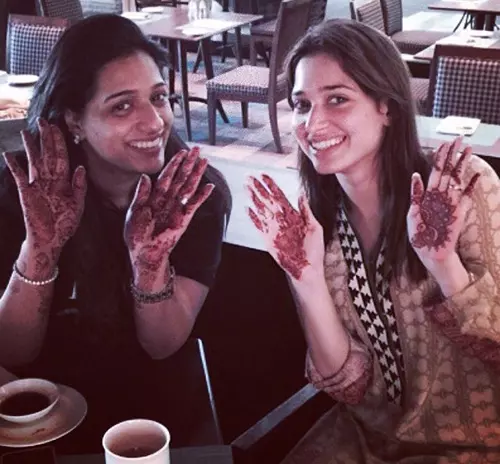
[(150, 298), (36, 283)]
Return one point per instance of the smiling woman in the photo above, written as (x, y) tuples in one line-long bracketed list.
[(103, 266)]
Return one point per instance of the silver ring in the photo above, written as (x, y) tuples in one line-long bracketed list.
[(183, 201), (456, 187)]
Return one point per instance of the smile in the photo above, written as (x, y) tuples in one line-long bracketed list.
[(324, 144), (147, 143)]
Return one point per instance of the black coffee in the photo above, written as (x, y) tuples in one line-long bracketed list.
[(24, 403), (137, 452)]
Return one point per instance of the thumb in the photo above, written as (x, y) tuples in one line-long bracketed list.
[(305, 210)]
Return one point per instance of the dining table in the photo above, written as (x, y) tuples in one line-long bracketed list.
[(465, 38), (484, 12), (174, 26)]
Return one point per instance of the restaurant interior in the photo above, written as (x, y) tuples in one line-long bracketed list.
[(250, 401)]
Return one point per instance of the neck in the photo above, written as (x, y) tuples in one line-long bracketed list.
[(363, 194), (114, 184)]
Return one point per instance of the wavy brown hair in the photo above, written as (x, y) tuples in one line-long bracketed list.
[(374, 63)]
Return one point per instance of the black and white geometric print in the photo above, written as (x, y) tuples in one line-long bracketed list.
[(68, 9), (30, 45), (364, 302), (467, 87)]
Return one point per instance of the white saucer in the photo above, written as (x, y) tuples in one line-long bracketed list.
[(153, 9), (22, 79), (68, 413), (3, 73), (136, 15), (194, 31)]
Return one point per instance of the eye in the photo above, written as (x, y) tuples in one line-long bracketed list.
[(301, 106), (337, 100), (121, 108), (160, 98)]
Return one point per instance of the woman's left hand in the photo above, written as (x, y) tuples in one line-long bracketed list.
[(159, 214), (436, 215)]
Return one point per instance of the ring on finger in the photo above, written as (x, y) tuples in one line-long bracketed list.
[(183, 201)]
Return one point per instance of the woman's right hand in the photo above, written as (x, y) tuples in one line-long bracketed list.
[(52, 205), (293, 238)]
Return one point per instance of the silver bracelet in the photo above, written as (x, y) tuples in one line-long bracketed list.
[(150, 298), (36, 283)]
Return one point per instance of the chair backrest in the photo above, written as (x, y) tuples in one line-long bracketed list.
[(369, 13), (68, 9), (291, 24), (181, 396), (30, 40), (393, 16), (92, 7), (465, 82), (318, 12)]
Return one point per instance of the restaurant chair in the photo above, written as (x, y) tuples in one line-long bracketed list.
[(258, 84), (30, 40), (261, 34), (370, 13), (275, 435), (465, 82), (68, 9), (93, 7), (408, 41)]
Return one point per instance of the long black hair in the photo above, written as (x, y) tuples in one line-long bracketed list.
[(68, 81), (375, 64)]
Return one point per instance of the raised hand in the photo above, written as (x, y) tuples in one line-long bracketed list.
[(159, 214), (294, 238), (52, 203), (436, 215)]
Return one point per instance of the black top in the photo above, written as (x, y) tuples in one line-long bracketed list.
[(91, 342)]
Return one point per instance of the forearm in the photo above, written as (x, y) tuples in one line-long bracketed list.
[(163, 327), (24, 308), (327, 338)]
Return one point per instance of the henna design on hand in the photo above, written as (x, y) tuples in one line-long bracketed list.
[(437, 215), (156, 218)]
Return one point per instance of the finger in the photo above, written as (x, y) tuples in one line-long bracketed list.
[(60, 164), (255, 219), (79, 185), (416, 194), (142, 192), (469, 190), (277, 192), (46, 147), (260, 206), (305, 210), (167, 174), (32, 154), (197, 200), (438, 166), (449, 164), (458, 170), (17, 172), (194, 179)]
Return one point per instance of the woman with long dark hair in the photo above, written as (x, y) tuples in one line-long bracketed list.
[(393, 257), (110, 228)]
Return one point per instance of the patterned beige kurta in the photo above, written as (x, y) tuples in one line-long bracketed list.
[(450, 411)]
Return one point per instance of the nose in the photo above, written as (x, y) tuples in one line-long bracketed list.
[(150, 119), (315, 119)]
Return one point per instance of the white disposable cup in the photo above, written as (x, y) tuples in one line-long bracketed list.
[(143, 434)]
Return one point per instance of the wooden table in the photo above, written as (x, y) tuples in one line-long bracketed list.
[(169, 26), (461, 38), (484, 11)]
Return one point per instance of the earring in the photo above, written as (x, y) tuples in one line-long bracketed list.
[(76, 139)]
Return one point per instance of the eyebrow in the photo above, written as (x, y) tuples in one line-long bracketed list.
[(326, 88), (131, 92)]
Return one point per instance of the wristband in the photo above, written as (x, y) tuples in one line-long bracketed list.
[(151, 298), (36, 283)]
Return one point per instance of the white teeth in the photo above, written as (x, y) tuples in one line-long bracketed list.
[(327, 143), (150, 144)]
